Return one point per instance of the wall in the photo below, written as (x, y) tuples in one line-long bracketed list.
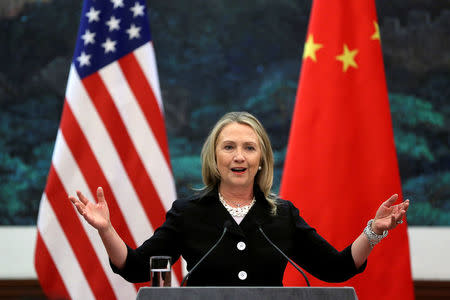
[(429, 247)]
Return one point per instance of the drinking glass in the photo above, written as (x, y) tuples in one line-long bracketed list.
[(160, 271)]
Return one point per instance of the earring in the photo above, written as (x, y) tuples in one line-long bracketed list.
[(259, 168)]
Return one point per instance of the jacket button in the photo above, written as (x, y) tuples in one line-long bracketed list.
[(241, 246), (242, 275)]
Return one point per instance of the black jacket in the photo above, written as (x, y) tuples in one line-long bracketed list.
[(193, 225)]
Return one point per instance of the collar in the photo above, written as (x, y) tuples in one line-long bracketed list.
[(258, 215)]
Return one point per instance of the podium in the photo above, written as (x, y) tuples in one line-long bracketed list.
[(247, 293)]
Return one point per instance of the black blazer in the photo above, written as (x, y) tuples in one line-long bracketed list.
[(193, 225)]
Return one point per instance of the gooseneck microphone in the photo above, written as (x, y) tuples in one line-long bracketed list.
[(225, 229), (285, 256)]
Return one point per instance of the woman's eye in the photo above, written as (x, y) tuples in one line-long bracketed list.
[(228, 147), (251, 148)]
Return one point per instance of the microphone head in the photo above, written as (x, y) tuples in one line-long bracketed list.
[(258, 224), (227, 224)]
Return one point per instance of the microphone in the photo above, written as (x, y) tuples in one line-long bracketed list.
[(225, 229), (285, 256)]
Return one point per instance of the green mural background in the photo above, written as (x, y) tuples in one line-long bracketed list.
[(216, 56)]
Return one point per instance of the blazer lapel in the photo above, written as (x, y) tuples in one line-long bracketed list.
[(217, 214), (258, 215)]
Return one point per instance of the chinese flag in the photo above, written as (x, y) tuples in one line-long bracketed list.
[(341, 162)]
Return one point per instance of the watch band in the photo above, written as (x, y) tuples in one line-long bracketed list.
[(372, 236)]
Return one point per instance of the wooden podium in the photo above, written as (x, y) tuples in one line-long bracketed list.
[(246, 293)]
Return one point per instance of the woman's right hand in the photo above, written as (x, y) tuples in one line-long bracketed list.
[(96, 214)]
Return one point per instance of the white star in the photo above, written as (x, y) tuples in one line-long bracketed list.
[(137, 9), (84, 59), (92, 15), (88, 37), (117, 3), (133, 32), (110, 46), (113, 23)]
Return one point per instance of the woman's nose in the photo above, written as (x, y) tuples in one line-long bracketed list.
[(239, 156)]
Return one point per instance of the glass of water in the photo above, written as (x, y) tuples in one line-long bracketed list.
[(160, 271)]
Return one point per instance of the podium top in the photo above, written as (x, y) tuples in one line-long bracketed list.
[(247, 293)]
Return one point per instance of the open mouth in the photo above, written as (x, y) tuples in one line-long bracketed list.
[(238, 170)]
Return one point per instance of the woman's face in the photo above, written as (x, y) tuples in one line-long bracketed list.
[(238, 156)]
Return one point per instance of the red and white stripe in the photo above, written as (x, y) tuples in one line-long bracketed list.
[(112, 134)]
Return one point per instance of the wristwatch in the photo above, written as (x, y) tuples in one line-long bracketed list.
[(372, 236)]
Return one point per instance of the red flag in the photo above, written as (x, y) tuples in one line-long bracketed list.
[(341, 162), (112, 134)]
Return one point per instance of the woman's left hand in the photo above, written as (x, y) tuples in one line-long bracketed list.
[(388, 216)]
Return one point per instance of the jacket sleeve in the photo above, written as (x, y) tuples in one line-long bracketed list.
[(318, 257), (165, 241)]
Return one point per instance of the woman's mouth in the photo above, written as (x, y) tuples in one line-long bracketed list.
[(238, 170)]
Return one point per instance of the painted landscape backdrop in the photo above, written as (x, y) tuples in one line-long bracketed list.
[(215, 56)]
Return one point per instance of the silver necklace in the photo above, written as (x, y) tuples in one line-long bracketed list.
[(239, 211)]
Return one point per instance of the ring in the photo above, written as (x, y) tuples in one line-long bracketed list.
[(400, 222)]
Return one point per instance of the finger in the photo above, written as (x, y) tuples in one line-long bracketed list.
[(405, 208), (389, 223), (80, 208), (401, 207), (78, 205), (399, 216), (73, 199), (100, 195), (395, 209), (393, 222), (82, 198), (405, 204), (391, 200)]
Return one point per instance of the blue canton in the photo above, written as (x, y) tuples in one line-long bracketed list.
[(109, 30)]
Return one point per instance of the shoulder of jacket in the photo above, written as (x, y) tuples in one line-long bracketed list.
[(189, 201), (285, 206), (284, 203)]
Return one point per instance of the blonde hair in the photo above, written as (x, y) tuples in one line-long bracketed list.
[(264, 177)]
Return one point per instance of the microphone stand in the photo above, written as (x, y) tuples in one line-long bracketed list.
[(285, 256), (207, 253)]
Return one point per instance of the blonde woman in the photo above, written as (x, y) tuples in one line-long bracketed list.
[(237, 170)]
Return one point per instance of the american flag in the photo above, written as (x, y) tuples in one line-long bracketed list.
[(112, 134)]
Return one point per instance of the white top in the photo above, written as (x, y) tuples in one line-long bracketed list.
[(238, 213)]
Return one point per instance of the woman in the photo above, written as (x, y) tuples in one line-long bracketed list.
[(237, 169)]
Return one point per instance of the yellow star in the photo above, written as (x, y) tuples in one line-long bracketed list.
[(376, 35), (311, 48), (348, 58)]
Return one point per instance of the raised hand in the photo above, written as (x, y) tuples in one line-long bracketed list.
[(388, 216), (96, 214)]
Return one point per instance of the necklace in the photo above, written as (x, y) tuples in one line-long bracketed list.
[(239, 211)]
